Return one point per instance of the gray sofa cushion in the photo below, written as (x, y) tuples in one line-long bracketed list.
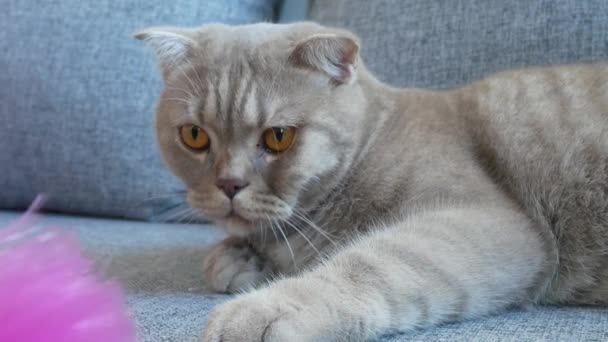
[(440, 44), (77, 96), (160, 267)]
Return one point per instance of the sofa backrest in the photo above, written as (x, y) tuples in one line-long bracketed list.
[(445, 43)]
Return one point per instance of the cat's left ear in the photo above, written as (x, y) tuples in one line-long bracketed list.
[(172, 46), (333, 54)]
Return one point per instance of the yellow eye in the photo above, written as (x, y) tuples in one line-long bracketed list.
[(194, 137), (279, 139)]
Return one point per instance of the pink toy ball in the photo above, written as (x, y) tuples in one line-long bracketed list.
[(49, 291)]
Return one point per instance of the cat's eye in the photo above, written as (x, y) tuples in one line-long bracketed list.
[(278, 139), (194, 137)]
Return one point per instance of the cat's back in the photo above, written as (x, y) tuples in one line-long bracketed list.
[(542, 135), (543, 128), (569, 96)]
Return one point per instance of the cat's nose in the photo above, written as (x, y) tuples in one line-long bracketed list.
[(231, 186)]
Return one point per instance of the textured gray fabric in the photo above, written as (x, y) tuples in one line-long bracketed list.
[(294, 10), (77, 96), (160, 267), (440, 44)]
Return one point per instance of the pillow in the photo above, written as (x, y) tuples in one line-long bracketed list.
[(441, 44), (77, 97)]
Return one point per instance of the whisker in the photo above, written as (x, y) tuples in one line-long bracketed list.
[(177, 99), (192, 84), (293, 258), (194, 216), (305, 237), (306, 220), (185, 214), (200, 82), (176, 195), (276, 237), (172, 216), (183, 91), (168, 195)]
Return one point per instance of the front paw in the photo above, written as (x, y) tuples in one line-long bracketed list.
[(233, 265), (261, 316)]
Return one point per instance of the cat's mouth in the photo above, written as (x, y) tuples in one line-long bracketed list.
[(245, 214)]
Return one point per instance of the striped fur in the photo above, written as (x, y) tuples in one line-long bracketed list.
[(395, 209)]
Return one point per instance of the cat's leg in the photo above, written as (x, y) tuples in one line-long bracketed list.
[(439, 266), (234, 265)]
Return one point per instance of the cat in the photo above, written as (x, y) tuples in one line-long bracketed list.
[(356, 209)]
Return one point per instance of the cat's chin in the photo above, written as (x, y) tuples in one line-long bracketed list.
[(235, 225)]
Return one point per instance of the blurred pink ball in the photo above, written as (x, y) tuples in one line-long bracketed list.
[(49, 292)]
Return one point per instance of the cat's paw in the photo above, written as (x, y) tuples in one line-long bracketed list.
[(233, 265), (261, 316)]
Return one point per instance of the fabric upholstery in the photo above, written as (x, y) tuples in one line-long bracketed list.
[(159, 265), (441, 44), (293, 10), (77, 96)]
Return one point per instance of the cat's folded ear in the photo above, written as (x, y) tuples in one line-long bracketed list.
[(333, 54), (172, 46)]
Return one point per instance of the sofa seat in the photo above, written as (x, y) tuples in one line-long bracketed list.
[(159, 265)]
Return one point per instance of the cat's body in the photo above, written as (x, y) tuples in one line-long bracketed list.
[(404, 208)]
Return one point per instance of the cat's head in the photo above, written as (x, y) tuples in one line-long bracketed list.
[(260, 121)]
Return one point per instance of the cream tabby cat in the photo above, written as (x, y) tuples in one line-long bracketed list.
[(358, 209)]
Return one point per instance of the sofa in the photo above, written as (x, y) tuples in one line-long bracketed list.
[(76, 117)]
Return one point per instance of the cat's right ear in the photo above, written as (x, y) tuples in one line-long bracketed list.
[(333, 54), (172, 46)]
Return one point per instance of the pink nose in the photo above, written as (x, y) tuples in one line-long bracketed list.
[(231, 186)]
